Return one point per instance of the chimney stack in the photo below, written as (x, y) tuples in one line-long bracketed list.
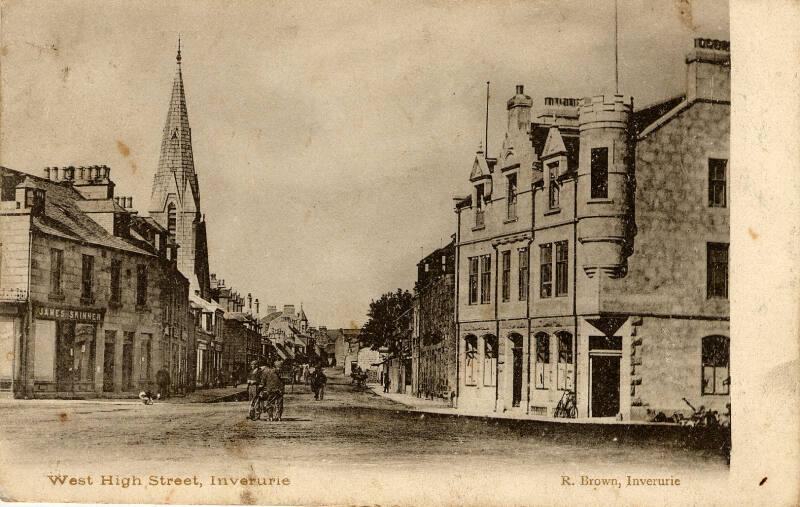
[(256, 306), (708, 72)]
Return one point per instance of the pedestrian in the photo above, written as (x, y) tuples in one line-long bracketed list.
[(386, 383), (318, 381), (162, 379), (252, 379)]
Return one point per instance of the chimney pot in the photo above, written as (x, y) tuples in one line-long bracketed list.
[(520, 89)]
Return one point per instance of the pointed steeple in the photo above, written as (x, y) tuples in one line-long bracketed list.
[(175, 197), (176, 161)]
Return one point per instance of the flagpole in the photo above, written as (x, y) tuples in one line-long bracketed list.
[(616, 49), (486, 126)]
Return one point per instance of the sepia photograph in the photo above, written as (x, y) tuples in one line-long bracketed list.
[(354, 252)]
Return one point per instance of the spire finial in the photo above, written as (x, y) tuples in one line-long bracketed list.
[(178, 58)]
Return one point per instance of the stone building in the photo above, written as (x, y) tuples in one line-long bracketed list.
[(433, 339), (242, 331), (87, 288), (592, 255)]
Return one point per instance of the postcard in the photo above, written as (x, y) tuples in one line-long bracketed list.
[(418, 253)]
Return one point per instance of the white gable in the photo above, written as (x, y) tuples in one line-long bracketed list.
[(554, 144)]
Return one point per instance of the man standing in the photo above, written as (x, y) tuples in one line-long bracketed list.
[(252, 380), (318, 381), (162, 379), (386, 382)]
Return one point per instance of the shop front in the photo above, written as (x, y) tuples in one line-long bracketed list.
[(64, 349)]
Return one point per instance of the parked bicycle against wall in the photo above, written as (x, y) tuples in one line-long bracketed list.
[(566, 408)]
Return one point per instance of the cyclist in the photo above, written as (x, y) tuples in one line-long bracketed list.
[(270, 387)]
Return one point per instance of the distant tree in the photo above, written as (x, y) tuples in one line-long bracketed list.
[(389, 321)]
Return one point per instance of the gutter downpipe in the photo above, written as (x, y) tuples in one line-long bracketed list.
[(29, 323), (528, 296), (458, 325), (497, 331), (575, 293)]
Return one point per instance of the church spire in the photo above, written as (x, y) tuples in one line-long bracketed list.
[(176, 161)]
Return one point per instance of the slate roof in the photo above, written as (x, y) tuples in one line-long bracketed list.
[(65, 217)]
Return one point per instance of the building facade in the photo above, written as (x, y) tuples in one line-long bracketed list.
[(592, 255), (433, 338), (85, 286)]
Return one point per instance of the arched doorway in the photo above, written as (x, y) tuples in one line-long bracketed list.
[(515, 340)]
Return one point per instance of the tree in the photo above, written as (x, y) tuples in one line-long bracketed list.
[(389, 321)]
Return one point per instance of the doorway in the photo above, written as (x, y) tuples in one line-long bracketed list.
[(605, 377), (516, 373), (127, 362), (108, 361), (65, 356)]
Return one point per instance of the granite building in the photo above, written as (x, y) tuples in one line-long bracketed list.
[(592, 255), (87, 288)]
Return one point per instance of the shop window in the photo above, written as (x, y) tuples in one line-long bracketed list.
[(716, 365), (566, 369), (546, 270), (486, 278), (599, 173), (562, 268), (471, 360), (524, 275), (473, 280), (87, 278), (542, 361), (490, 360), (717, 270), (56, 270), (717, 178), (506, 275)]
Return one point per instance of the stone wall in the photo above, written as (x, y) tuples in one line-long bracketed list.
[(667, 271)]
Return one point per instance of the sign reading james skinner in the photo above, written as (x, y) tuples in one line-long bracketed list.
[(73, 314)]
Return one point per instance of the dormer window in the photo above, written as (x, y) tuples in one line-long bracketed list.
[(511, 180), (554, 189), (479, 217)]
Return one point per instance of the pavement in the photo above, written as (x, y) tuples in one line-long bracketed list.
[(442, 407)]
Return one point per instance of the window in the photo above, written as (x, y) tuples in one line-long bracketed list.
[(716, 365), (489, 360), (599, 173), (56, 270), (717, 169), (473, 280), (506, 275), (172, 219), (542, 361), (512, 196), (116, 290), (554, 197), (479, 217), (562, 272), (524, 276), (87, 274), (717, 270), (141, 285), (546, 270), (486, 278), (566, 373), (471, 363)]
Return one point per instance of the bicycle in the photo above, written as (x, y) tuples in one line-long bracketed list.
[(270, 404), (566, 407)]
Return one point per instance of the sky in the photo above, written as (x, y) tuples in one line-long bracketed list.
[(329, 138)]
